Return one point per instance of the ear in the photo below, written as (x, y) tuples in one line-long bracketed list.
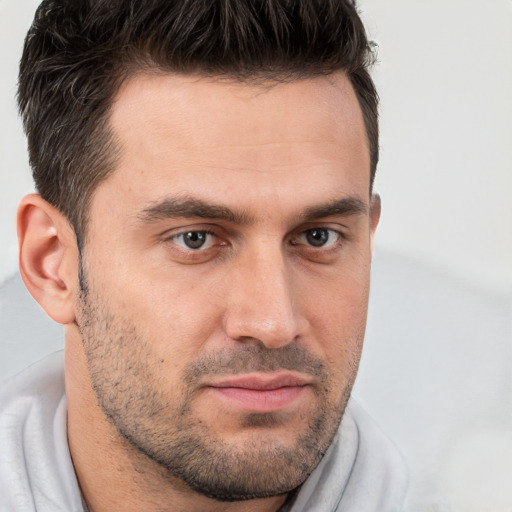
[(375, 207), (48, 257)]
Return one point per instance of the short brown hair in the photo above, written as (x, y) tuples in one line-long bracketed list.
[(78, 52)]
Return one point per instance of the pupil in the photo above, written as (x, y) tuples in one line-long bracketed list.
[(317, 237), (195, 239)]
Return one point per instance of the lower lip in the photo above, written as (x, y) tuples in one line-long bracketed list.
[(261, 400)]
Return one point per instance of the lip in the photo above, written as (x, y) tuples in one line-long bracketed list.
[(260, 393)]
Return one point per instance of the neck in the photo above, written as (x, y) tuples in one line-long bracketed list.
[(112, 472)]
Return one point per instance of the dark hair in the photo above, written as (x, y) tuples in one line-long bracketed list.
[(78, 52)]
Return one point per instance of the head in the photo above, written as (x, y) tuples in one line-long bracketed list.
[(78, 54), (205, 225)]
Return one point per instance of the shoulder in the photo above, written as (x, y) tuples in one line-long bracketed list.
[(32, 397), (361, 471), (49, 371), (36, 471), (379, 476)]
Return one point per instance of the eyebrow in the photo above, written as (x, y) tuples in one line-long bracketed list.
[(176, 207), (179, 207), (345, 207)]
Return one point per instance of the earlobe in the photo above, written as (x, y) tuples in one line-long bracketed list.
[(48, 257), (375, 209)]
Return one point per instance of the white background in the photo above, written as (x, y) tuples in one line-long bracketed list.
[(445, 80)]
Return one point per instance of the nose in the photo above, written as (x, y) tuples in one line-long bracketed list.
[(262, 306)]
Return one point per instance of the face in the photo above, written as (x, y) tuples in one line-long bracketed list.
[(226, 275)]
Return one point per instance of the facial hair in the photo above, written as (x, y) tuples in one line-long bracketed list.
[(163, 424)]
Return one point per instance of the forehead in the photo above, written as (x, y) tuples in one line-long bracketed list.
[(186, 96), (206, 112), (213, 136)]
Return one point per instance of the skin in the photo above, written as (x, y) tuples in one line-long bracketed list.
[(156, 325)]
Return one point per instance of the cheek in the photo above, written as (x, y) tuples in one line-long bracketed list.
[(338, 301), (176, 320), (337, 318)]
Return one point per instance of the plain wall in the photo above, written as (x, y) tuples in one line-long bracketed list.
[(445, 176)]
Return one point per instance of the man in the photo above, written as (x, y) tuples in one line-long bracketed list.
[(203, 230)]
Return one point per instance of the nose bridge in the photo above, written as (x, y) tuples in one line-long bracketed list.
[(263, 305)]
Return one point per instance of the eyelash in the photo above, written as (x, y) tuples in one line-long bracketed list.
[(340, 237), (174, 237), (338, 234)]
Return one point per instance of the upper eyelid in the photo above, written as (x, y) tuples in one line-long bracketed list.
[(171, 238), (182, 233), (337, 230), (172, 233), (220, 232)]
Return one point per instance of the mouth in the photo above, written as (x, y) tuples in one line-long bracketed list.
[(261, 393)]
